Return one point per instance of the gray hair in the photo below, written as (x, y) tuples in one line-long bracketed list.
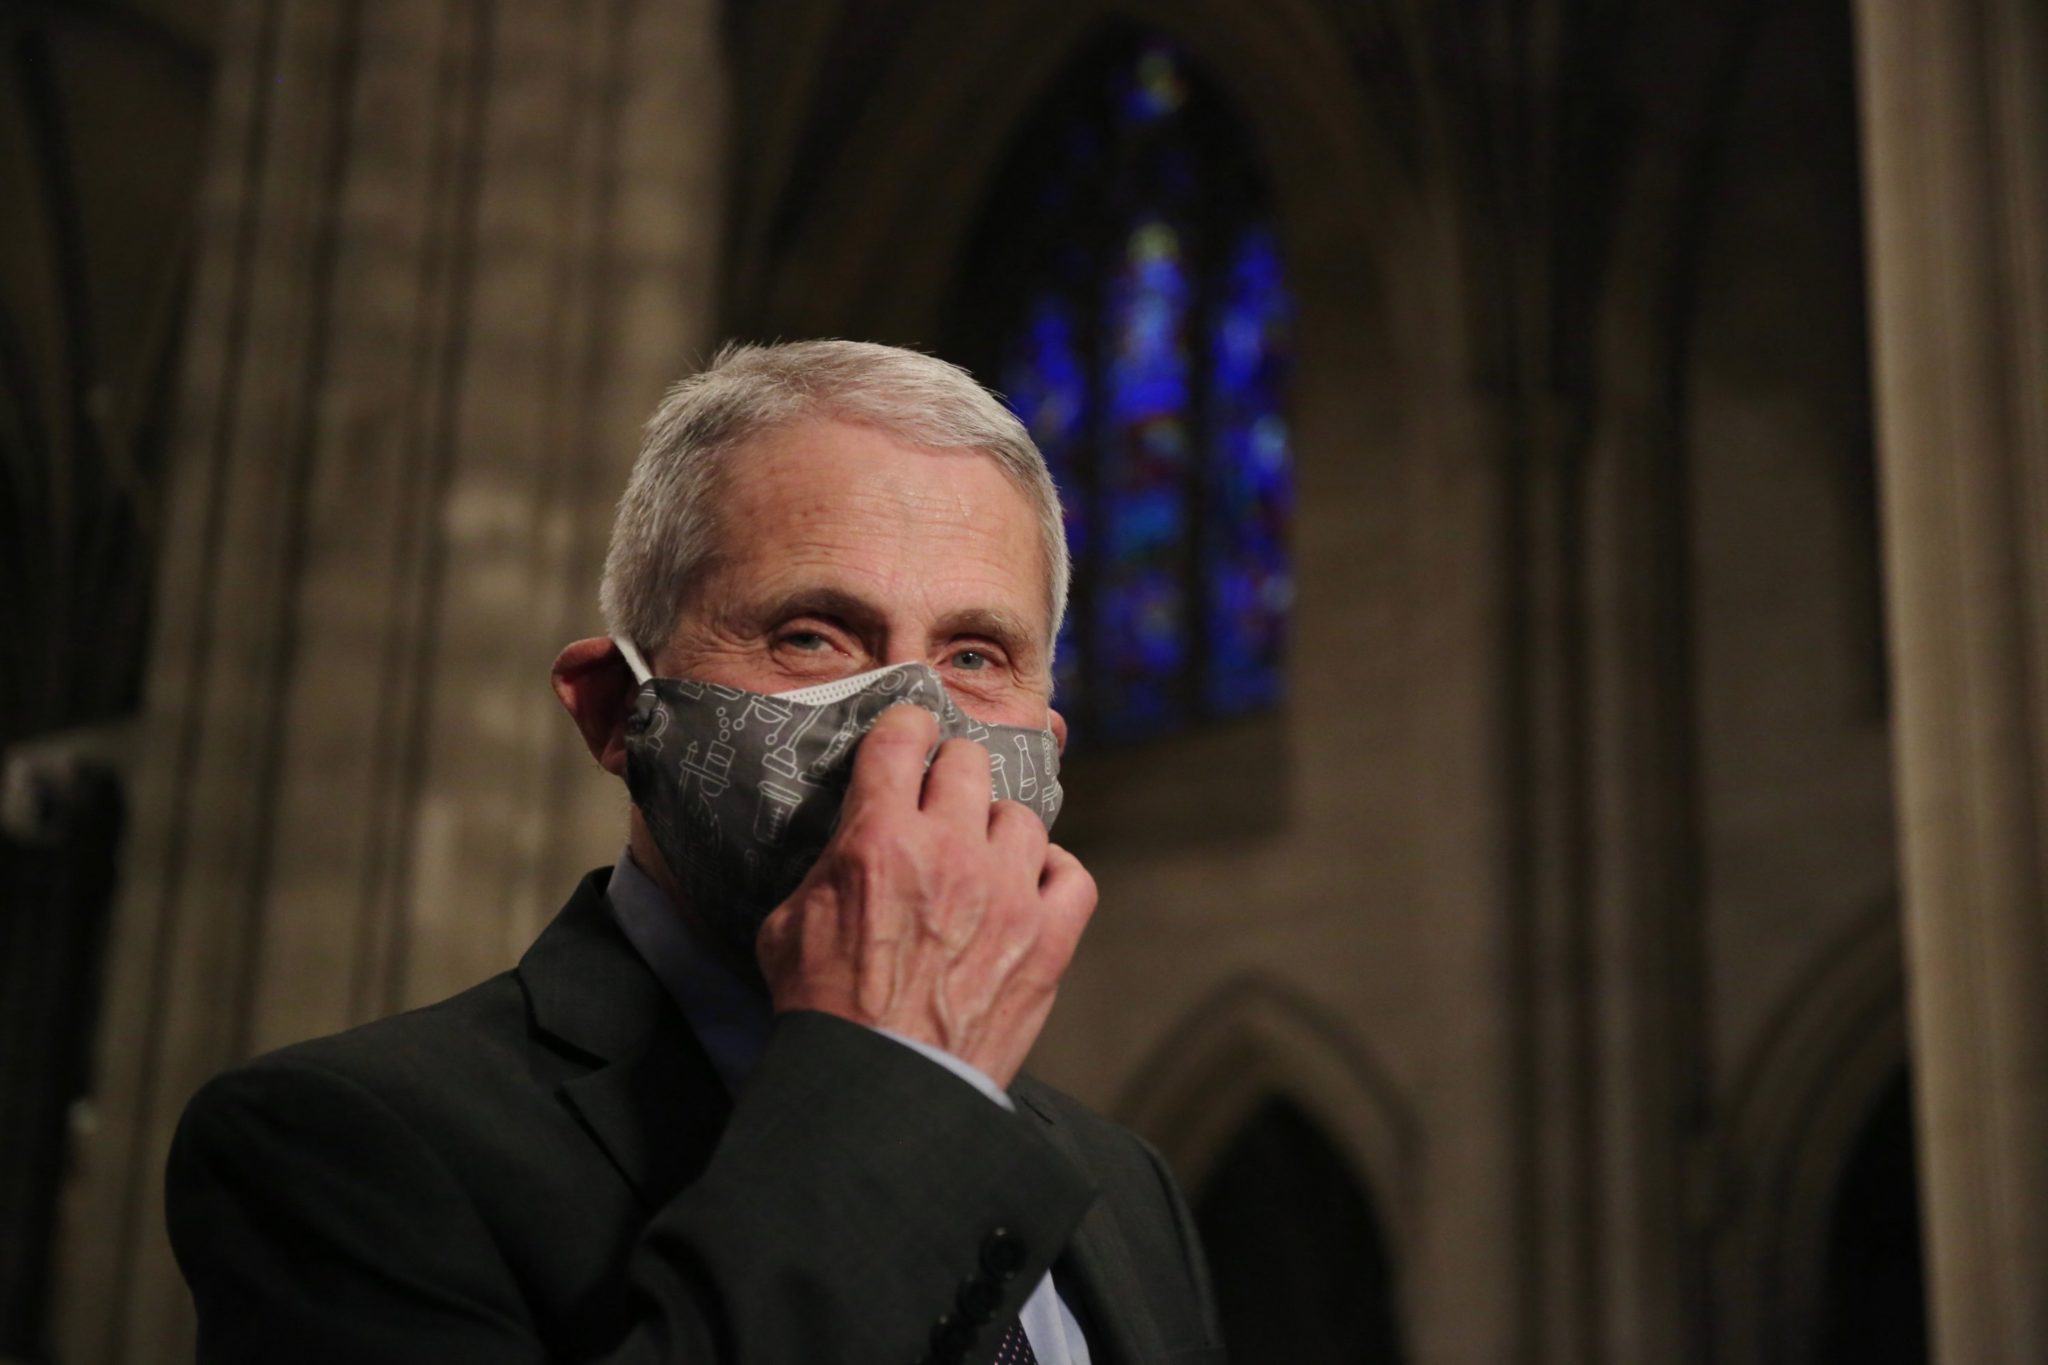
[(663, 536)]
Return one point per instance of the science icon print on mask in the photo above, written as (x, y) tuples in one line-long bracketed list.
[(1127, 294), (742, 790)]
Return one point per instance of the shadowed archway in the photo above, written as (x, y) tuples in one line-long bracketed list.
[(1818, 1162), (1303, 1160), (1301, 1264), (1874, 1295)]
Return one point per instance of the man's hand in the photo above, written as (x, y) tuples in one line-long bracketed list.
[(932, 912)]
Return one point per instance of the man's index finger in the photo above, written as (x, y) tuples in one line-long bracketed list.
[(889, 766)]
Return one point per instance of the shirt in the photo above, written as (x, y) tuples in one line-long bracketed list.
[(731, 1016)]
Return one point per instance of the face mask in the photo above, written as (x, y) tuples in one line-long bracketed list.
[(741, 790)]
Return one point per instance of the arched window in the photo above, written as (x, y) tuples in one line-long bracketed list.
[(1300, 1261), (1125, 292)]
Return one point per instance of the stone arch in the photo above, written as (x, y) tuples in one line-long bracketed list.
[(853, 217), (1251, 1041), (886, 204), (1795, 1114)]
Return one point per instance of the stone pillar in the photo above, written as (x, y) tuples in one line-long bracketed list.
[(450, 252), (1955, 99)]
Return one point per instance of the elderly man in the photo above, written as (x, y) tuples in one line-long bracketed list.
[(754, 1095)]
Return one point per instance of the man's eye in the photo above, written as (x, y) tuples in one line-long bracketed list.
[(809, 641), (971, 660)]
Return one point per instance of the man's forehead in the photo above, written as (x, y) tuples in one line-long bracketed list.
[(850, 521), (843, 444), (861, 473)]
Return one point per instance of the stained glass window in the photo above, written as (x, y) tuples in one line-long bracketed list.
[(1126, 293)]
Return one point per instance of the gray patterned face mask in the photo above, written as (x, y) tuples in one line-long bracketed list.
[(741, 790)]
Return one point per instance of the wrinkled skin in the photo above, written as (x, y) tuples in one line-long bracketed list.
[(932, 912)]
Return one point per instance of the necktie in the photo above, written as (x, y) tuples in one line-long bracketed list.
[(1015, 1348)]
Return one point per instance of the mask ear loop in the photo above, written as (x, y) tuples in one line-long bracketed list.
[(641, 672)]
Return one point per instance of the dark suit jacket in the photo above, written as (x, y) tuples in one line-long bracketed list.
[(546, 1167)]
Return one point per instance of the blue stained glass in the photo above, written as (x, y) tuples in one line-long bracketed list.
[(1148, 355), (1248, 580), (1148, 302), (1154, 89), (1047, 387), (1143, 634), (1147, 524), (1143, 627)]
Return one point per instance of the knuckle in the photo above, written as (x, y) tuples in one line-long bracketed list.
[(1022, 832), (959, 750), (1076, 895), (1048, 960), (1085, 888), (1016, 817), (901, 728), (871, 853), (904, 720), (888, 743), (778, 937), (1059, 858)]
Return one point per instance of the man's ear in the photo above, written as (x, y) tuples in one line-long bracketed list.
[(596, 688), (1057, 723)]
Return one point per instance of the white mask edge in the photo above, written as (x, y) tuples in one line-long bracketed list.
[(631, 653)]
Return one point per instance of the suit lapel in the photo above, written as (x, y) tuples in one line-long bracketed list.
[(641, 1084), (1097, 1267), (648, 1095)]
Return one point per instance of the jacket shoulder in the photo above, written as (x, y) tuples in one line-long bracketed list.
[(470, 1040), (478, 1030)]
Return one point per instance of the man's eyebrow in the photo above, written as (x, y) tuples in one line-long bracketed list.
[(820, 600), (989, 622)]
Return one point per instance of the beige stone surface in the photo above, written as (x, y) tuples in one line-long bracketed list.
[(1956, 115), (451, 253)]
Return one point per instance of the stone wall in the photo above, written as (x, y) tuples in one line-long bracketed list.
[(449, 256)]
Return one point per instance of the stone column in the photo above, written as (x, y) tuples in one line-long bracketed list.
[(1955, 98), (450, 253)]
